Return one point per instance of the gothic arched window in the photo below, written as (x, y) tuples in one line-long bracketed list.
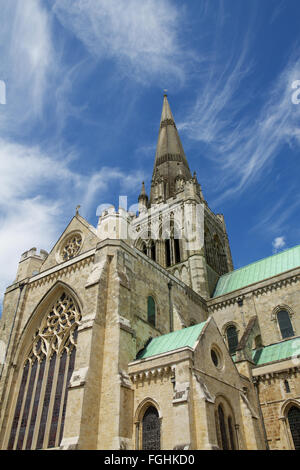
[(222, 427), (294, 423), (177, 250), (39, 413), (151, 429), (232, 338), (285, 324), (153, 251), (168, 252), (151, 310)]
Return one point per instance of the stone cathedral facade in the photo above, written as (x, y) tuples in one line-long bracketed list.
[(139, 333)]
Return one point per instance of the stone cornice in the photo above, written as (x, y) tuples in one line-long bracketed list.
[(61, 270), (146, 375)]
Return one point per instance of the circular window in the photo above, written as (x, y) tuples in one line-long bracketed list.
[(71, 247), (214, 357)]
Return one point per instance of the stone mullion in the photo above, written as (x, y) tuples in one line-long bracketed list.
[(22, 407), (63, 394), (31, 406), (40, 408), (51, 403)]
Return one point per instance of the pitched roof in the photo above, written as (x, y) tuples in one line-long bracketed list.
[(276, 352), (258, 271), (172, 341)]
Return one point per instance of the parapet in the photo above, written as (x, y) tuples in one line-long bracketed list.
[(32, 253)]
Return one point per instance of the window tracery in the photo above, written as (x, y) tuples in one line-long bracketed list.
[(151, 429), (71, 247), (41, 404)]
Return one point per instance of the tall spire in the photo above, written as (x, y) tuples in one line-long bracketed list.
[(170, 160)]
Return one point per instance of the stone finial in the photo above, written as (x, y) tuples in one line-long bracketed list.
[(143, 195)]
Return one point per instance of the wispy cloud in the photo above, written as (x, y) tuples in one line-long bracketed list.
[(27, 61), (142, 37), (244, 147)]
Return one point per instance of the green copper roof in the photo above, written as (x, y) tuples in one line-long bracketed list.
[(171, 341), (258, 271), (277, 352)]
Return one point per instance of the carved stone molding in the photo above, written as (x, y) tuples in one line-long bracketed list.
[(78, 378)]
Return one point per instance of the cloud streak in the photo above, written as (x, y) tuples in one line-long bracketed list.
[(243, 148), (142, 38), (27, 61)]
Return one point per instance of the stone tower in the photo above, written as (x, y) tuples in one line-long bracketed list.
[(175, 226)]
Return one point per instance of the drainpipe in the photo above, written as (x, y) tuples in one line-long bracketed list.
[(255, 382), (170, 306), (21, 286)]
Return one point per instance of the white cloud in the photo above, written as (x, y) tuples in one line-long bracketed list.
[(278, 244), (27, 60), (142, 36), (38, 196)]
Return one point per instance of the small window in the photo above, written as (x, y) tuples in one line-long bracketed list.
[(285, 324), (177, 250), (232, 338), (168, 253), (144, 248), (287, 386), (151, 311), (153, 251), (222, 428), (214, 357)]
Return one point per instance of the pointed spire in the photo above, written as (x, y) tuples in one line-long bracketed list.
[(143, 199), (143, 194), (170, 159)]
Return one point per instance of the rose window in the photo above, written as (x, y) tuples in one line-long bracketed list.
[(71, 247)]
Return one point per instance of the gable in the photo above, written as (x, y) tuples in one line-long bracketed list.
[(211, 342), (79, 235)]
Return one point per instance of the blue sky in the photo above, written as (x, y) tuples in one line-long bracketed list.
[(84, 86)]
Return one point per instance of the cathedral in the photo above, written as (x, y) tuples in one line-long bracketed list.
[(138, 334)]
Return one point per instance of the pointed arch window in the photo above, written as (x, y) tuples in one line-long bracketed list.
[(168, 252), (232, 338), (151, 429), (39, 414), (285, 324), (151, 311), (294, 423), (177, 250), (153, 251), (222, 428)]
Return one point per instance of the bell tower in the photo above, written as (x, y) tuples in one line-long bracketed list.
[(175, 226)]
